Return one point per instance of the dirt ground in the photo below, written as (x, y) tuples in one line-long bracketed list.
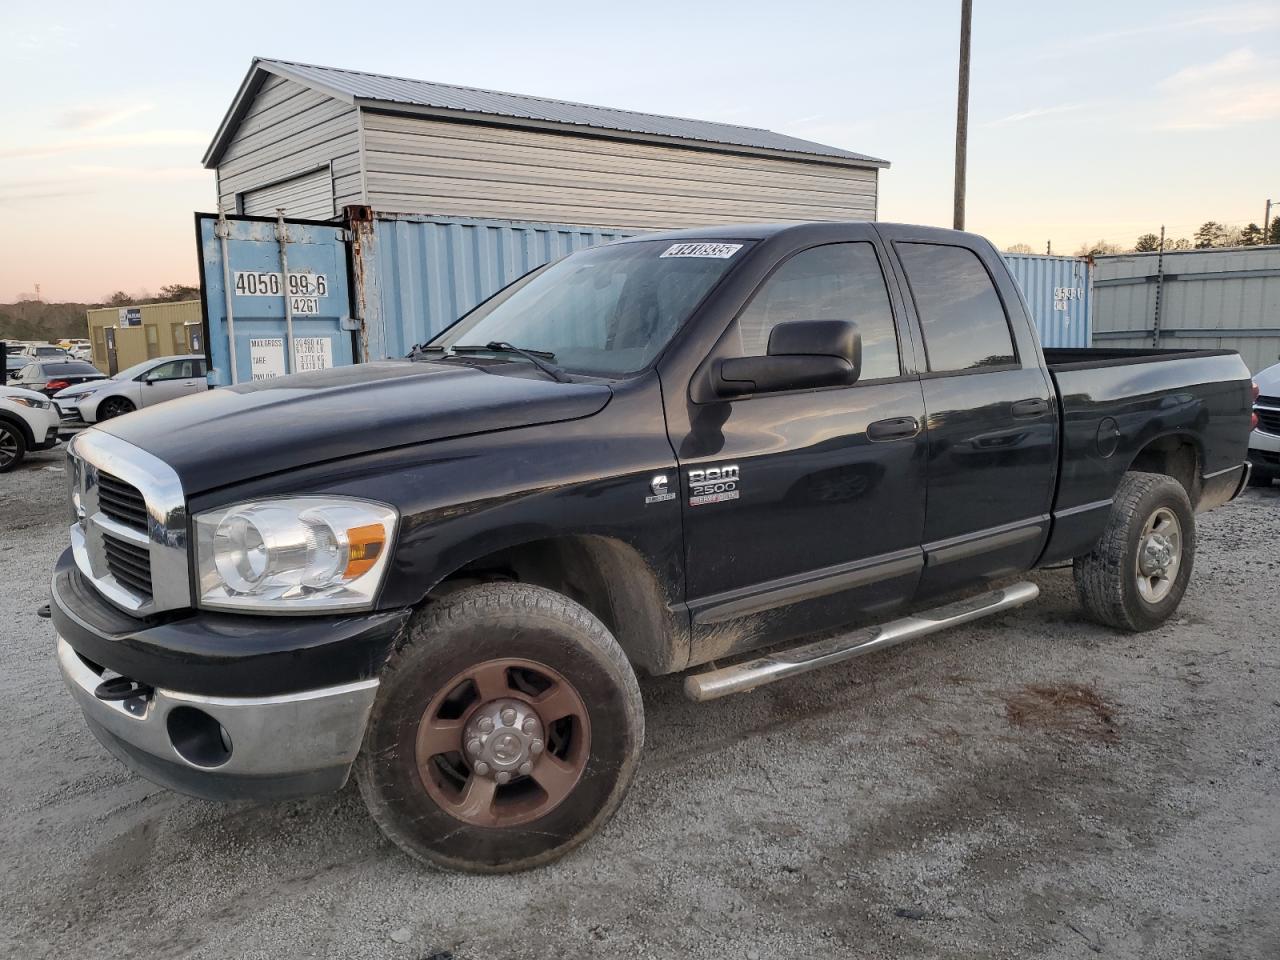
[(1029, 786)]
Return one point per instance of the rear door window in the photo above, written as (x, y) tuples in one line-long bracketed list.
[(961, 315)]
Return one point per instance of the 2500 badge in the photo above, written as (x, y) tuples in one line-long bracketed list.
[(713, 485)]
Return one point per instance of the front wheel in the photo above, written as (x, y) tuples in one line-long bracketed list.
[(114, 407), (1135, 576), (506, 731), (13, 446)]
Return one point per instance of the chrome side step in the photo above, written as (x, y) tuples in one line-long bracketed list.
[(787, 663)]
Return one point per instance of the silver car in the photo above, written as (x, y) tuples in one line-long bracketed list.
[(1264, 442), (142, 385)]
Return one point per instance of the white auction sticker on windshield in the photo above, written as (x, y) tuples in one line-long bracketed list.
[(717, 251)]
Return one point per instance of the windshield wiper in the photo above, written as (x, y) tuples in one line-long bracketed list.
[(539, 358)]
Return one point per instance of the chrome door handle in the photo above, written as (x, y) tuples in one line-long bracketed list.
[(1032, 407), (895, 428)]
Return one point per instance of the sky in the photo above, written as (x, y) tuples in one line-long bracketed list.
[(1089, 120)]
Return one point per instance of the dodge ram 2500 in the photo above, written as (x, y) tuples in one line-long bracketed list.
[(443, 573)]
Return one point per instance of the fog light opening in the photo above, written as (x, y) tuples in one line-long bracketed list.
[(198, 738)]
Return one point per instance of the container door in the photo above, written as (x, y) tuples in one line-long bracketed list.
[(248, 299)]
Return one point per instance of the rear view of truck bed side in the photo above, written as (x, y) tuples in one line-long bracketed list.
[(1175, 412)]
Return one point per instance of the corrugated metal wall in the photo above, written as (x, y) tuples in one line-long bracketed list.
[(1059, 293), (416, 275), (423, 165), (1210, 299), (288, 131)]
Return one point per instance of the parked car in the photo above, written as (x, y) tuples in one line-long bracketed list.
[(44, 351), (51, 376), (1264, 442), (142, 385), (28, 421), (658, 454), (77, 349)]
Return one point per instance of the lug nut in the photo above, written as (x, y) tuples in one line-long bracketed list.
[(486, 725), (536, 747), (526, 768), (482, 768), (529, 725), (502, 776), (509, 717), (473, 747)]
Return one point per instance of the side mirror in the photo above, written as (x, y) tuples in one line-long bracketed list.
[(802, 355)]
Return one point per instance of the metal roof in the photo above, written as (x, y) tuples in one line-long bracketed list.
[(371, 89)]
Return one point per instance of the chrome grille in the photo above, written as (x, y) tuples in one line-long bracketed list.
[(128, 563), (130, 532), (121, 501), (1268, 411)]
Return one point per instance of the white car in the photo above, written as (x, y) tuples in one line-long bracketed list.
[(1264, 442), (28, 421), (142, 385)]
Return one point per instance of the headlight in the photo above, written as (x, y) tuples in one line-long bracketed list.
[(294, 554), (31, 402)]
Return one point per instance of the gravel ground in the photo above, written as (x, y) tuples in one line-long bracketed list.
[(1029, 786)]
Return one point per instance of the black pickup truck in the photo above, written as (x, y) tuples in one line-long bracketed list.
[(443, 573)]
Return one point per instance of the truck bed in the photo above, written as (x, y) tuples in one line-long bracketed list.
[(1116, 402), (1093, 358)]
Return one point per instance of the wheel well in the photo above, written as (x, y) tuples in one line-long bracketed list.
[(608, 577), (22, 426), (1175, 456)]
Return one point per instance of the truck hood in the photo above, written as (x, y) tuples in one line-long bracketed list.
[(232, 434)]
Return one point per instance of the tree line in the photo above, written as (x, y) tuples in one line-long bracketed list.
[(1211, 234), (32, 319)]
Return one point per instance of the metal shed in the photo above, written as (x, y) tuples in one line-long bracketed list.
[(1195, 299), (317, 139)]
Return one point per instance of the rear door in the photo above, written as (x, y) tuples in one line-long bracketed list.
[(992, 421), (804, 509)]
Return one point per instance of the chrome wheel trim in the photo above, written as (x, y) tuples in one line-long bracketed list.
[(1159, 556)]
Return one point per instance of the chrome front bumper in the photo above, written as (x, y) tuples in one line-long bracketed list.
[(267, 747)]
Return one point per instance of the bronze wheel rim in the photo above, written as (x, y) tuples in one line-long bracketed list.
[(504, 742)]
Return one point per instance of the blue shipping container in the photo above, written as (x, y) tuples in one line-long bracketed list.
[(1059, 294), (416, 275)]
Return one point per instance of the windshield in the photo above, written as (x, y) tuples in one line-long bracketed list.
[(606, 311), (137, 370)]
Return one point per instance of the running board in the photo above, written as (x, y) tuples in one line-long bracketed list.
[(788, 663)]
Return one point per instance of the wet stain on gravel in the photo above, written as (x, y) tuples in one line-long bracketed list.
[(1067, 708)]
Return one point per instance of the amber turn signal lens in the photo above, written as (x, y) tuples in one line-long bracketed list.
[(365, 546)]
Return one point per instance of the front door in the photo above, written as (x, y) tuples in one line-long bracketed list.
[(177, 378), (992, 436), (805, 509)]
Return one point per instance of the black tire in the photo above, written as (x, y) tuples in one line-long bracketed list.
[(1107, 578), (13, 446), (114, 407), (1261, 476), (477, 625)]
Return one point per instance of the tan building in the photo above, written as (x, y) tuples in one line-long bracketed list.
[(123, 336)]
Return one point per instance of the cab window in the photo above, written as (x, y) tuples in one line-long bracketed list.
[(837, 281)]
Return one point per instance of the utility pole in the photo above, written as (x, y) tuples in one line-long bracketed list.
[(1048, 248), (1266, 224), (1155, 321), (962, 113)]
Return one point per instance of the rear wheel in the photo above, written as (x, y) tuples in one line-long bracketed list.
[(13, 446), (506, 731), (114, 407), (1135, 576)]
